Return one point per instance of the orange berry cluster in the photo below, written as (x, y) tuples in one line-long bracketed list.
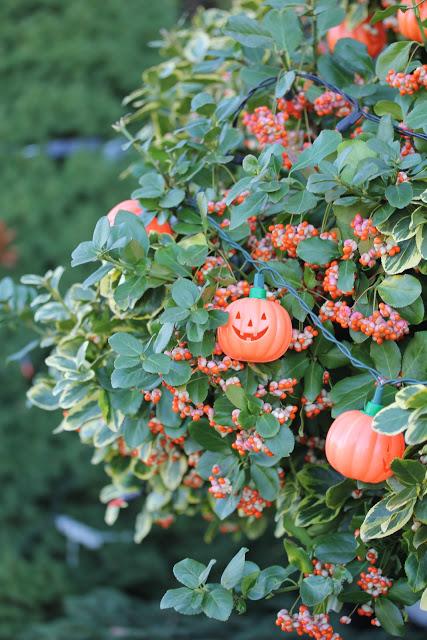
[(224, 295), (287, 237), (302, 340), (221, 487), (373, 582), (407, 148), (165, 522), (363, 228), (193, 480), (216, 367), (279, 389), (349, 249), (321, 403), (124, 450), (283, 414), (408, 83), (331, 103), (251, 503), (330, 282), (179, 353), (220, 207), (249, 442), (314, 625), (261, 249), (402, 177), (312, 443), (153, 396), (326, 569), (295, 107), (266, 126), (383, 324), (212, 262)]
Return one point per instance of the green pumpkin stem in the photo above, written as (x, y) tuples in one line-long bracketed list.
[(258, 290)]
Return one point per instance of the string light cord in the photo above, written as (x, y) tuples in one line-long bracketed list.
[(344, 124), (280, 282)]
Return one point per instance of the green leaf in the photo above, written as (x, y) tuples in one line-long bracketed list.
[(317, 251), (416, 571), (266, 481), (218, 603), (339, 548), (313, 381), (315, 589), (163, 337), (198, 388), (267, 425), (41, 396), (135, 431), (395, 56), (298, 557), (283, 443), (207, 437), (247, 31), (409, 472), (414, 363), (300, 202), (157, 363), (126, 345), (416, 118), (236, 395), (417, 427), (178, 599), (233, 572), (380, 522), (185, 293), (178, 374), (346, 274), (85, 252), (285, 29), (188, 572), (399, 291), (391, 420), (351, 393), (174, 314), (172, 199), (325, 144), (399, 195), (389, 616), (387, 358), (269, 580), (284, 83)]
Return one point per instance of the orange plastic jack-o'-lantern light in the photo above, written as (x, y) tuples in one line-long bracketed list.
[(258, 330), (357, 451), (372, 35), (407, 20), (133, 206)]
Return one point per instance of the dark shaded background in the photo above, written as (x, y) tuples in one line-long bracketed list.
[(65, 66)]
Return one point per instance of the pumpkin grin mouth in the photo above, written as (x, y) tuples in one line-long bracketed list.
[(251, 337)]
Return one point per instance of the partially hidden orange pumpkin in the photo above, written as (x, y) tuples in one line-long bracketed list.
[(374, 36), (407, 21), (258, 330), (357, 451), (133, 206)]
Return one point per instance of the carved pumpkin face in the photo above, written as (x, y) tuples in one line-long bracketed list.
[(357, 451), (407, 21), (257, 330), (373, 36), (133, 206)]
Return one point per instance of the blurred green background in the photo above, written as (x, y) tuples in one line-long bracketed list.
[(65, 67)]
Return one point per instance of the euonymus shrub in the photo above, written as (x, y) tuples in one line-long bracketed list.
[(133, 361)]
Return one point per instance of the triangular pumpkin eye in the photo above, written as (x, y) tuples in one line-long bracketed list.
[(238, 315), (263, 317)]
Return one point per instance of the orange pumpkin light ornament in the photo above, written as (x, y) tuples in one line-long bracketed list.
[(258, 330), (357, 451), (133, 206), (407, 20), (372, 35)]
